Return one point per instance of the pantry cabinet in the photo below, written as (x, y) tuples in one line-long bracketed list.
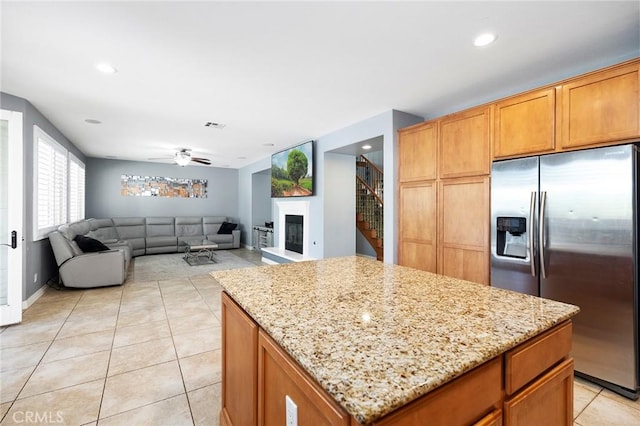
[(453, 191), (463, 228), (417, 225)]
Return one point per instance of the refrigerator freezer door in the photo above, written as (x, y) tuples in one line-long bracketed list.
[(588, 243), (514, 185)]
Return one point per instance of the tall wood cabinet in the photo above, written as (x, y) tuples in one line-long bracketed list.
[(444, 217), (445, 163)]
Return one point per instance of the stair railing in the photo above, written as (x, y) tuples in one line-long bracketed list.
[(369, 192)]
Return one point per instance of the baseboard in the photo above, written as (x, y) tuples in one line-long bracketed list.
[(35, 296)]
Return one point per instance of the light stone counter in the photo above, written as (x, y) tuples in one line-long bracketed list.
[(377, 336)]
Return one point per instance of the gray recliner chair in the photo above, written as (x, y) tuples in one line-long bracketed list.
[(85, 270)]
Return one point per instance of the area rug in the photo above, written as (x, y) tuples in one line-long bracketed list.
[(170, 266)]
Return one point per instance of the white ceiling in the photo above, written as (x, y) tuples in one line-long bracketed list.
[(284, 72)]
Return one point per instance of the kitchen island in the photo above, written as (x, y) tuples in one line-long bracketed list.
[(354, 341)]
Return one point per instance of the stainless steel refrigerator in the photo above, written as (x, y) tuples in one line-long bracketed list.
[(565, 227)]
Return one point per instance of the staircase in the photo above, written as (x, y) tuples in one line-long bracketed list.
[(369, 204)]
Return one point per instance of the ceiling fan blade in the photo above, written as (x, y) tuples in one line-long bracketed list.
[(160, 158), (201, 160)]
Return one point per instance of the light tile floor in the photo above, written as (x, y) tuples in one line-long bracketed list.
[(148, 352)]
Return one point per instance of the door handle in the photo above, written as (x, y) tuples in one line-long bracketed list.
[(532, 211), (541, 221), (14, 240)]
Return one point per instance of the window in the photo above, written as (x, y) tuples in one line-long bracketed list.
[(76, 188), (59, 185)]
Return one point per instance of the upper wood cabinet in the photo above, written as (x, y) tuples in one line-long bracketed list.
[(417, 152), (464, 146), (600, 108), (525, 124)]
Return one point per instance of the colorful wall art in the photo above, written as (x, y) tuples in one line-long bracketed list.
[(153, 186)]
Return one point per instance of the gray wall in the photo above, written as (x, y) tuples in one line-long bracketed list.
[(246, 193), (103, 197), (260, 200), (339, 205), (37, 256)]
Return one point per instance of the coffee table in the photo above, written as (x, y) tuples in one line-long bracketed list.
[(200, 252)]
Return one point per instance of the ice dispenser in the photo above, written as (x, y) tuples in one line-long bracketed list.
[(511, 237)]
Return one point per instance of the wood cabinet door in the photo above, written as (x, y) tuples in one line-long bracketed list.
[(547, 401), (525, 124), (464, 148), (281, 377), (417, 152), (417, 225), (601, 108), (239, 366), (463, 228)]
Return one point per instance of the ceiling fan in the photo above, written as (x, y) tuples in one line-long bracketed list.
[(183, 156)]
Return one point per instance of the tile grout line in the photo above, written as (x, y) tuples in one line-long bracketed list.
[(40, 360), (106, 373), (184, 385)]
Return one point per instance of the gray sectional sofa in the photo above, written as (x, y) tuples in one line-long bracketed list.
[(127, 237)]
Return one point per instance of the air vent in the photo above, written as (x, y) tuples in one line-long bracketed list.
[(214, 125)]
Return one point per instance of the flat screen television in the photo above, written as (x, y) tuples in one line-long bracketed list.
[(292, 171)]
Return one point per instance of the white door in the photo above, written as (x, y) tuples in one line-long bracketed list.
[(10, 217)]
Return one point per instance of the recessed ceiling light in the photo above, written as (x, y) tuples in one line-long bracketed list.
[(484, 39), (92, 121), (366, 146), (106, 68)]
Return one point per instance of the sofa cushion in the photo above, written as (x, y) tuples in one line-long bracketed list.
[(88, 244), (211, 224), (227, 227), (80, 227), (103, 230), (220, 238), (159, 226), (189, 226), (162, 241)]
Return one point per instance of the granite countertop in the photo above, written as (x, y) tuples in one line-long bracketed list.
[(376, 336)]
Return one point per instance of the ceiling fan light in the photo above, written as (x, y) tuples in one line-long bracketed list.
[(182, 158)]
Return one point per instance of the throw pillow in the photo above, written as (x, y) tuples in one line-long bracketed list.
[(88, 244), (227, 227)]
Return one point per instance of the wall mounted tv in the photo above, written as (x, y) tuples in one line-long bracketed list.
[(292, 171)]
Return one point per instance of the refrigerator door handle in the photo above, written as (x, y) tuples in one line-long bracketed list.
[(543, 202), (532, 211)]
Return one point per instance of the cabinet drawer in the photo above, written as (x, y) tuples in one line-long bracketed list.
[(278, 377), (532, 358), (466, 400)]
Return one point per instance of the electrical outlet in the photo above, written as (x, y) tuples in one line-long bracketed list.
[(292, 412)]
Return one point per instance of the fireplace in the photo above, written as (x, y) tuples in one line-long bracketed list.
[(293, 233)]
